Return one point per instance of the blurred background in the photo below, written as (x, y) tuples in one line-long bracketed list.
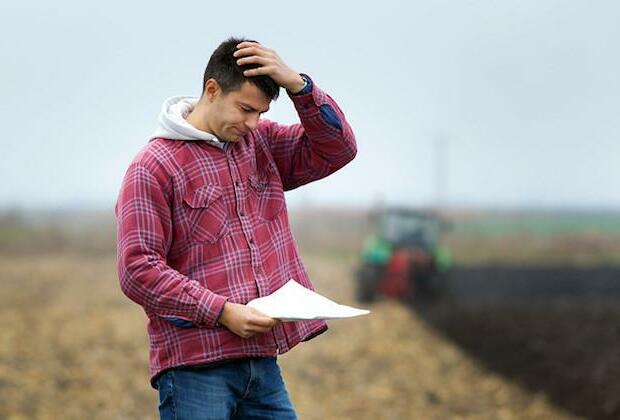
[(480, 221)]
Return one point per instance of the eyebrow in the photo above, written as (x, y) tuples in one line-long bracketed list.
[(252, 108)]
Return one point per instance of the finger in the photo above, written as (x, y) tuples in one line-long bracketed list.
[(258, 315), (258, 71), (261, 330), (249, 51), (256, 45), (253, 46), (262, 321), (248, 44), (255, 59)]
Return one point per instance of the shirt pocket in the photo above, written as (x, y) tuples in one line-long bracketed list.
[(267, 195), (206, 213)]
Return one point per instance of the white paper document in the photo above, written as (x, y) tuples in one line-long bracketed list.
[(293, 302)]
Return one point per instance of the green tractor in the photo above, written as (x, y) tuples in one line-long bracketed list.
[(403, 259)]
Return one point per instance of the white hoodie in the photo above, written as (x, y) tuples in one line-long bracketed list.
[(173, 125)]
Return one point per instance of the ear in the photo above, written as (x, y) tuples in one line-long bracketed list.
[(212, 90)]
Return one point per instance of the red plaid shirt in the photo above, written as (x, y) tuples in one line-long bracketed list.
[(199, 225)]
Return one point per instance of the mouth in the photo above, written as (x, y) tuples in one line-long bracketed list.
[(239, 132)]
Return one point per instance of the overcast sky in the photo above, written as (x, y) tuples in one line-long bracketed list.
[(519, 98)]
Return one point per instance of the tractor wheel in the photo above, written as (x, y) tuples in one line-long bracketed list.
[(368, 277)]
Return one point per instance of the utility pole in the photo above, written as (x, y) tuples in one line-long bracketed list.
[(441, 143)]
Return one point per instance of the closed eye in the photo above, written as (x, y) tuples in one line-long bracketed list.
[(246, 108)]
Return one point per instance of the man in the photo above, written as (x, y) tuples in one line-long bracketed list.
[(203, 229)]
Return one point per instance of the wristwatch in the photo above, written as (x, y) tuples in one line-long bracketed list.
[(304, 89)]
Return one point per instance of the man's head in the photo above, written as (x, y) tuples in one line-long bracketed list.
[(233, 101)]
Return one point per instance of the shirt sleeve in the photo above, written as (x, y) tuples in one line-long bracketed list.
[(143, 237), (321, 144)]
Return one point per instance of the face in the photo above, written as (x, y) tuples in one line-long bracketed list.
[(232, 115)]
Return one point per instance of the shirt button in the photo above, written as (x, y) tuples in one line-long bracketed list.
[(251, 241), (237, 184), (242, 214)]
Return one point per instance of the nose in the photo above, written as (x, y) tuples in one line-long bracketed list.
[(251, 121)]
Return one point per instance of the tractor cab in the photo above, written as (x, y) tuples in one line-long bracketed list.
[(408, 228), (402, 257)]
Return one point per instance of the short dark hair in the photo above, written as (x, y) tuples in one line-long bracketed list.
[(224, 69)]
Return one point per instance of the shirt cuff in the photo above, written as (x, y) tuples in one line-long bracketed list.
[(307, 87), (209, 306)]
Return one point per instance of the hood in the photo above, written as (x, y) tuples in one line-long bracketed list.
[(173, 126)]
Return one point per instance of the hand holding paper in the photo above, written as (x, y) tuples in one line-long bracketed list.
[(293, 302)]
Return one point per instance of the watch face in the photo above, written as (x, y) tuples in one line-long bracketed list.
[(306, 82)]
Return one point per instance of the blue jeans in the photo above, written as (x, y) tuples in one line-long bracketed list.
[(242, 389)]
